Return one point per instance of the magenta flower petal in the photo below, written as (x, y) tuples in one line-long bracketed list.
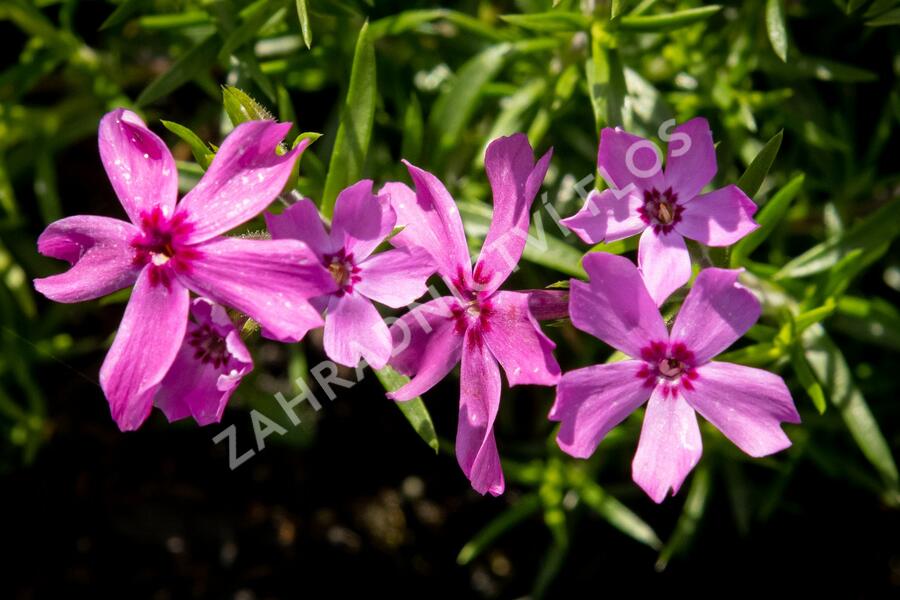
[(244, 178), (301, 221), (669, 447), (396, 277), (607, 218), (98, 248), (269, 280), (691, 158), (426, 346), (745, 404), (361, 220), (719, 218), (664, 262), (146, 344), (209, 367), (625, 159), (479, 401), (138, 164), (517, 342), (515, 181), (430, 220), (354, 330), (615, 307), (717, 311), (593, 400)]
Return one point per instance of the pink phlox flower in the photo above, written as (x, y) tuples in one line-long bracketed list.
[(170, 247), (672, 371), (479, 325), (362, 221), (666, 205), (208, 368)]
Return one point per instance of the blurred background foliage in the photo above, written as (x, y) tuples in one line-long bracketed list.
[(803, 100)]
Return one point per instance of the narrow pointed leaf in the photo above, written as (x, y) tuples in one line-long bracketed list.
[(808, 380), (753, 177), (668, 22), (550, 21), (241, 107), (303, 15), (876, 229), (122, 13), (776, 28), (252, 19), (830, 366), (691, 515), (188, 66), (523, 508), (202, 153), (606, 81), (414, 410), (874, 320), (771, 215), (355, 130), (892, 17), (454, 107), (618, 515)]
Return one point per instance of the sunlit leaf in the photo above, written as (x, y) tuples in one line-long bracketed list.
[(768, 218), (203, 154), (606, 81), (872, 320), (808, 380), (414, 410), (305, 30), (122, 13), (355, 130), (753, 177), (549, 21), (241, 107), (618, 515), (453, 109), (412, 20), (668, 22), (871, 232), (776, 28), (253, 17), (189, 18)]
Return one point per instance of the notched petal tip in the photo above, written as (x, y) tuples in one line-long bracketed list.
[(138, 164)]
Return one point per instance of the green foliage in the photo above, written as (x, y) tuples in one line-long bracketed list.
[(414, 410), (355, 131)]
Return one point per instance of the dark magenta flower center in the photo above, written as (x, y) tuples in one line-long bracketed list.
[(343, 269), (474, 313), (671, 366), (209, 345), (473, 300), (661, 210), (161, 246)]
